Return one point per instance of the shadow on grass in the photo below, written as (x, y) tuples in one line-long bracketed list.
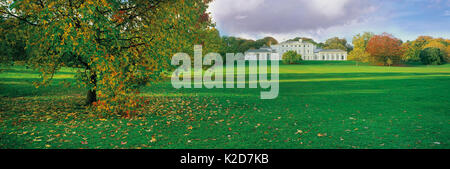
[(312, 84), (21, 87)]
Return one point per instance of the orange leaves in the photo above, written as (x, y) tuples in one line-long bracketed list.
[(51, 4), (321, 135), (153, 139), (118, 17), (383, 47), (89, 2)]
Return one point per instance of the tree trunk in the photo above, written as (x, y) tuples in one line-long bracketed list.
[(92, 93)]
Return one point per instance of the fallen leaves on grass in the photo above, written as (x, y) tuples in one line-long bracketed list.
[(153, 139), (322, 135)]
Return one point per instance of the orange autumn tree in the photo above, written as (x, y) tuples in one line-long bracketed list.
[(117, 45), (384, 49)]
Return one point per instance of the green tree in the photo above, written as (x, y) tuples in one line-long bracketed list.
[(239, 45), (119, 45), (291, 57), (432, 56), (12, 40), (267, 41), (337, 43), (305, 39), (413, 48), (439, 43)]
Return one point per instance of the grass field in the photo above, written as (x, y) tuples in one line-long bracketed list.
[(320, 105)]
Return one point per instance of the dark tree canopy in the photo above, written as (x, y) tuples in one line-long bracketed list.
[(337, 43), (432, 56), (239, 45)]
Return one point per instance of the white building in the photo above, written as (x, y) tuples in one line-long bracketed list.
[(329, 54), (308, 51), (264, 53)]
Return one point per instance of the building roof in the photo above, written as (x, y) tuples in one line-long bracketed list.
[(328, 50), (264, 47), (259, 50)]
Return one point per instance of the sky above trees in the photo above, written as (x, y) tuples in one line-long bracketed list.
[(320, 20)]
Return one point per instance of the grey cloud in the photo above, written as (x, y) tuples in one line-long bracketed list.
[(285, 16)]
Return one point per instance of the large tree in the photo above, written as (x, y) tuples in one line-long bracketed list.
[(432, 56), (337, 43), (384, 48), (360, 42), (412, 49), (439, 43), (12, 43), (118, 45)]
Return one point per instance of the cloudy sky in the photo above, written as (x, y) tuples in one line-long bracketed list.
[(322, 19)]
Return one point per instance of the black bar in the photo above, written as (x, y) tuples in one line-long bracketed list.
[(275, 158)]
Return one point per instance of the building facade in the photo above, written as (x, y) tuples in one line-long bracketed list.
[(264, 53), (329, 54), (308, 51)]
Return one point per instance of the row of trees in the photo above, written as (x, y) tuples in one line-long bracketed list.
[(232, 44), (385, 49)]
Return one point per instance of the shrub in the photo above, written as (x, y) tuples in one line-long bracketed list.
[(291, 57), (432, 56)]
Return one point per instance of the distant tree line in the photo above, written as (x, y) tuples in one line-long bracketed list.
[(232, 44), (385, 49)]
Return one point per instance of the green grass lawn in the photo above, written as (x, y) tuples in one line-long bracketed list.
[(320, 105)]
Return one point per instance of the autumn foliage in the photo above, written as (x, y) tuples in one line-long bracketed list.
[(384, 49), (118, 46)]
